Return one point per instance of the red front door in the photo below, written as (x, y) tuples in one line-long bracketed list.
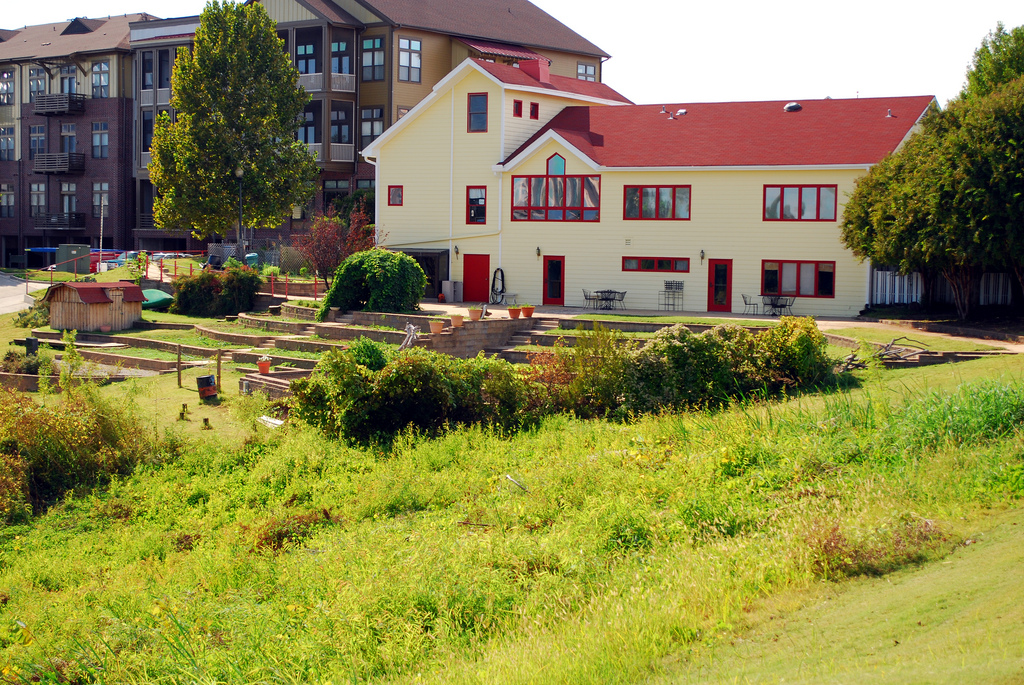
[(476, 272), (554, 280), (719, 285)]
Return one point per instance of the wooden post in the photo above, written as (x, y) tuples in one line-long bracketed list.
[(271, 285), (286, 285), (314, 287), (179, 365), (219, 351)]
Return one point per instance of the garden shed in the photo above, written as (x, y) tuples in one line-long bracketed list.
[(91, 306)]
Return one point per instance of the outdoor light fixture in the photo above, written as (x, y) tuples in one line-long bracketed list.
[(702, 256), (538, 252), (456, 250)]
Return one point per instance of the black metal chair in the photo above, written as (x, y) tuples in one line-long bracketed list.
[(786, 305), (749, 305), (618, 299), (590, 300)]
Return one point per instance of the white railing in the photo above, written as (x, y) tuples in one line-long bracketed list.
[(146, 157), (343, 83), (146, 98), (343, 153), (317, 150), (163, 96), (892, 288), (311, 82)]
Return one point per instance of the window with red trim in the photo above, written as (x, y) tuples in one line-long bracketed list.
[(673, 264), (477, 113), (656, 203), (798, 279), (799, 203), (476, 204), (556, 196), (534, 110), (517, 108), (395, 196)]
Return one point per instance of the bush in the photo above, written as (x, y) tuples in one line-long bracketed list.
[(376, 280), (210, 294), (19, 362), (418, 388), (370, 353), (269, 271), (37, 316)]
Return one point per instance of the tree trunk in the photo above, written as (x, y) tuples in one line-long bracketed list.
[(962, 282)]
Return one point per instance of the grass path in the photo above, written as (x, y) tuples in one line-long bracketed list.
[(957, 620)]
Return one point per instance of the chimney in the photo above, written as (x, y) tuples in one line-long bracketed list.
[(539, 69)]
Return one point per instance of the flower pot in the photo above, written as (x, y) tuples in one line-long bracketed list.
[(456, 320), (475, 314), (264, 367), (514, 312), (528, 312), (105, 328), (436, 326)]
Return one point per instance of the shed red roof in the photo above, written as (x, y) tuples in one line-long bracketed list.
[(822, 132), (500, 49), (96, 293), (517, 77)]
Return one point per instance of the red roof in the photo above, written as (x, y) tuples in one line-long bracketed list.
[(96, 293), (822, 132), (517, 77), (500, 49)]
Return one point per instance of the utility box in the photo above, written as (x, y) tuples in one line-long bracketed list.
[(73, 259), (452, 291)]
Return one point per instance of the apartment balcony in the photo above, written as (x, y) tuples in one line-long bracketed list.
[(343, 83), (343, 153), (317, 150), (59, 163), (162, 97), (146, 221), (72, 221), (144, 159), (146, 97), (58, 103), (313, 83)]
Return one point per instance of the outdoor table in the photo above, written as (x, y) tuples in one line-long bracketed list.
[(606, 299)]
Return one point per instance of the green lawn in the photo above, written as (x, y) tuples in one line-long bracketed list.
[(915, 339), (671, 320)]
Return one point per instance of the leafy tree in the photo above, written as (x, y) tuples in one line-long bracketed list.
[(363, 197), (331, 240), (238, 101), (376, 280), (999, 60)]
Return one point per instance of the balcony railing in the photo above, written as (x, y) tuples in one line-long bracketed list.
[(317, 150), (61, 222), (146, 221), (343, 153), (58, 103), (146, 97), (163, 96), (58, 163), (311, 82), (147, 157), (343, 83)]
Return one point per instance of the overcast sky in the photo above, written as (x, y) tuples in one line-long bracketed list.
[(665, 52)]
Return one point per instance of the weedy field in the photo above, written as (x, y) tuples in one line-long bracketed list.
[(664, 549)]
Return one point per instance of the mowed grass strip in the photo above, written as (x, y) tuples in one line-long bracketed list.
[(914, 339)]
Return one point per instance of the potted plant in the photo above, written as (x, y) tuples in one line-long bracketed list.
[(436, 325), (263, 364), (514, 311), (527, 309), (475, 313), (457, 320)]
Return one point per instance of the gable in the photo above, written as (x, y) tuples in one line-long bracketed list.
[(285, 11)]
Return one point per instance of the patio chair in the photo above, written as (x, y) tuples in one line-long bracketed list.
[(749, 305), (787, 305), (618, 301), (590, 299)]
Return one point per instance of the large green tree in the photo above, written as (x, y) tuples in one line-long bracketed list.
[(238, 104), (999, 60)]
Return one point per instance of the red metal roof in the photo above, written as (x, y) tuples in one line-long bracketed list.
[(96, 293), (517, 77), (823, 132), (501, 50)]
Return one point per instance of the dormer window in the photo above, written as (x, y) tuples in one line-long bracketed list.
[(555, 196)]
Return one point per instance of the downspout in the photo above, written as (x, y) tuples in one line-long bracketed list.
[(501, 152), (451, 186)]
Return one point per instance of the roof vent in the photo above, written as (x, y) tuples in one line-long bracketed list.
[(890, 115), (793, 107), (680, 112)]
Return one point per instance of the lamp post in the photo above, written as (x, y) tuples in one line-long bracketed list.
[(238, 174)]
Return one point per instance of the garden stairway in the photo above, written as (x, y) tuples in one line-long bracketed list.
[(536, 335)]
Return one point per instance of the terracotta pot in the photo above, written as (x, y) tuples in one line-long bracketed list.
[(456, 320), (475, 314), (436, 326), (105, 328), (514, 312), (264, 367), (528, 312)]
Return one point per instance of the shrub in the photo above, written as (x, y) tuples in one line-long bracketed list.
[(37, 316), (376, 280), (370, 353), (269, 271), (209, 294), (19, 362), (791, 354)]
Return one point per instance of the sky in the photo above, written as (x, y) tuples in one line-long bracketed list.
[(721, 50)]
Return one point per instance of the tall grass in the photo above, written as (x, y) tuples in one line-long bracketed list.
[(572, 552)]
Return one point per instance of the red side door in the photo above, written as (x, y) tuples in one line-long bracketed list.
[(719, 285), (554, 280), (476, 271)]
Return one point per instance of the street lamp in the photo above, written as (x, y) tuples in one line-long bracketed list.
[(238, 174)]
